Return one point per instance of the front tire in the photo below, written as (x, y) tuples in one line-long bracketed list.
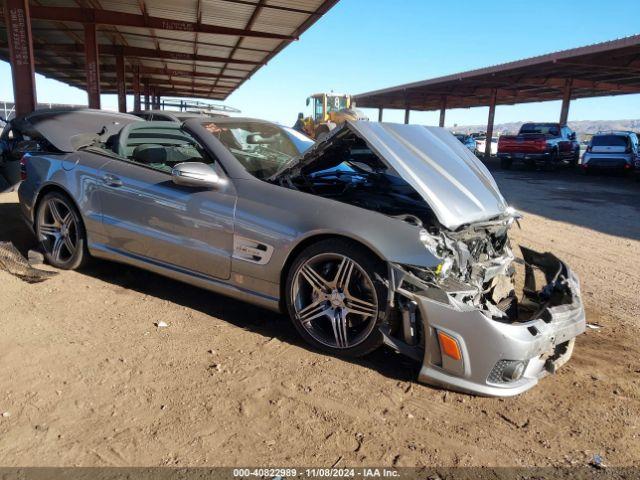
[(335, 299), (552, 163), (61, 232)]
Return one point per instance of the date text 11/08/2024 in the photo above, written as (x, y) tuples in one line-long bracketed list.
[(315, 472)]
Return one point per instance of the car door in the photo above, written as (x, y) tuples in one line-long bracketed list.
[(634, 146), (149, 217)]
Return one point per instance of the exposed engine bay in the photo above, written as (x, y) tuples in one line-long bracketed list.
[(476, 260), (351, 173)]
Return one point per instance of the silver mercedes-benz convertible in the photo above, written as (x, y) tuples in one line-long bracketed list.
[(379, 234)]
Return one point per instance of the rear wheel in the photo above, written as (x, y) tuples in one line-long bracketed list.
[(506, 163), (334, 297), (60, 231), (552, 163), (575, 159)]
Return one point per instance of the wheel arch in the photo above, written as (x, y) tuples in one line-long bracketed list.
[(53, 187), (306, 242)]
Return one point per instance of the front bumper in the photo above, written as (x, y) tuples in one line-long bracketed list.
[(489, 347), (592, 161), (527, 157)]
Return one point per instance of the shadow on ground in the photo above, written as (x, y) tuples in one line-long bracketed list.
[(242, 315), (608, 203), (14, 229)]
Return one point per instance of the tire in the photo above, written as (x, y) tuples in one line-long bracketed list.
[(552, 163), (575, 159), (320, 302), (61, 232), (506, 163)]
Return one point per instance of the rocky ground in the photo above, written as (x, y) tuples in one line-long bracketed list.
[(87, 378)]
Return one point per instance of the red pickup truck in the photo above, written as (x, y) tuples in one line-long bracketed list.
[(549, 144)]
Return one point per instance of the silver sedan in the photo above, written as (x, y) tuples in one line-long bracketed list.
[(379, 234)]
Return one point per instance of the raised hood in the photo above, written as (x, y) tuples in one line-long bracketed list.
[(456, 185), (68, 130)]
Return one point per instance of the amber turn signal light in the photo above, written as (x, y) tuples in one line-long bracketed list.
[(449, 346)]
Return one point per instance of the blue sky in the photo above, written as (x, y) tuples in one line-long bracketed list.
[(363, 45)]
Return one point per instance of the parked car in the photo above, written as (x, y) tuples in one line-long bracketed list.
[(611, 151), (481, 145), (466, 140), (546, 144), (379, 234), (172, 115)]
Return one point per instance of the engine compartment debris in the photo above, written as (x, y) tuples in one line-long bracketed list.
[(13, 262)]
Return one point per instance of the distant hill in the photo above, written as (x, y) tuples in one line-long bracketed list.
[(582, 127)]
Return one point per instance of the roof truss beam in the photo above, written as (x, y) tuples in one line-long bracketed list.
[(559, 83), (73, 67), (115, 18), (130, 52)]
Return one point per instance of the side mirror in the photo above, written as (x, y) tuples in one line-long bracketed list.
[(572, 136), (308, 101), (196, 174)]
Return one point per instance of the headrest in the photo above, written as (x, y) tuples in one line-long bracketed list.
[(149, 153)]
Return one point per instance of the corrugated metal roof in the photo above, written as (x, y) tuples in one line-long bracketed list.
[(176, 44), (607, 68)]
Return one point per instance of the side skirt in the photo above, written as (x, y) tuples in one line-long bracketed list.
[(187, 276)]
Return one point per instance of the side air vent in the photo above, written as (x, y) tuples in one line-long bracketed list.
[(251, 250)]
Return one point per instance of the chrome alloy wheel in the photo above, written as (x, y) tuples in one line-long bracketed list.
[(340, 312), (58, 230)]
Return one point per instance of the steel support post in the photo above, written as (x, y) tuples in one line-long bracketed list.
[(492, 116), (18, 28), (92, 65)]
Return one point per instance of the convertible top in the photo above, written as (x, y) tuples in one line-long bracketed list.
[(68, 130)]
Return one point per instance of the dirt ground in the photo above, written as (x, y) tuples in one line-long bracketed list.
[(87, 379)]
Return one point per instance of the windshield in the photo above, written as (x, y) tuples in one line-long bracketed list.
[(544, 128), (301, 141), (609, 141), (262, 148), (336, 103)]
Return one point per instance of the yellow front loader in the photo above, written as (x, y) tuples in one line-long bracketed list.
[(329, 111)]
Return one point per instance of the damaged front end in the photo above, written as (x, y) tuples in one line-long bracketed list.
[(457, 312), (466, 325)]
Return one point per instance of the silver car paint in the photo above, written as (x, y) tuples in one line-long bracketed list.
[(144, 213), (149, 222), (456, 185), (473, 329)]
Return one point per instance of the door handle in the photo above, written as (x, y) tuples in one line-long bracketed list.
[(111, 180)]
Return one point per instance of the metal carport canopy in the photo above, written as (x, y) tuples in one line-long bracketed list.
[(188, 48), (608, 68)]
